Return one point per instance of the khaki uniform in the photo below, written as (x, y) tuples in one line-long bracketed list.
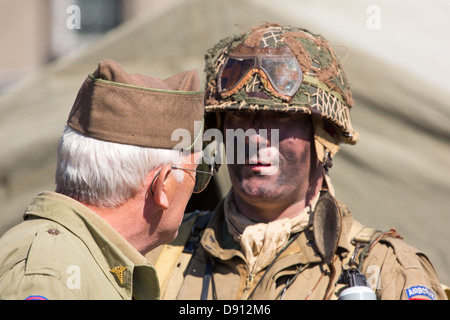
[(394, 270), (65, 251)]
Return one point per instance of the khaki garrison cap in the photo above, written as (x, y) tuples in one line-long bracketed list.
[(136, 109)]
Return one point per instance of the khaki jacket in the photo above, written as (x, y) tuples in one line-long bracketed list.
[(65, 251), (394, 270)]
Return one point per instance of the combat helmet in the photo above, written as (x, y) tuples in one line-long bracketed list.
[(281, 68)]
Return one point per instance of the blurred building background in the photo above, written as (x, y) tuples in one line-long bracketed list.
[(35, 32), (395, 54)]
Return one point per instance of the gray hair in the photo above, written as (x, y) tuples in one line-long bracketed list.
[(103, 173)]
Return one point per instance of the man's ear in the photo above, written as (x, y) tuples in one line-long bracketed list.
[(157, 189)]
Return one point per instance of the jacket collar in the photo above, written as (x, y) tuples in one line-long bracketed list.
[(121, 263)]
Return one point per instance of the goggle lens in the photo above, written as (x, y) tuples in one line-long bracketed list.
[(284, 74), (233, 72)]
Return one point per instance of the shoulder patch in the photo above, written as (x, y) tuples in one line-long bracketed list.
[(420, 293), (35, 298)]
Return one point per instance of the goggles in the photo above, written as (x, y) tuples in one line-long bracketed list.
[(278, 68)]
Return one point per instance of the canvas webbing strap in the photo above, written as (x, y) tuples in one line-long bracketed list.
[(207, 278)]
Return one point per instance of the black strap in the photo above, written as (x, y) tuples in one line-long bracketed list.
[(202, 219), (207, 278)]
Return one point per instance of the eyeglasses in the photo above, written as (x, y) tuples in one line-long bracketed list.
[(279, 69), (203, 174)]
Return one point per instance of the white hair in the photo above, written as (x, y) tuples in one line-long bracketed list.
[(103, 173)]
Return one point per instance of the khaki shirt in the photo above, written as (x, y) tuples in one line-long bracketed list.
[(63, 250), (394, 270)]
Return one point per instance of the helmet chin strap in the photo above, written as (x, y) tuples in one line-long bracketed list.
[(326, 147), (326, 165), (324, 142)]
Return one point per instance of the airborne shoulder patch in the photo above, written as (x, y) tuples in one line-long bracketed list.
[(420, 293), (35, 297)]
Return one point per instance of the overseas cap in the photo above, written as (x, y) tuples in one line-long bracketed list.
[(136, 109)]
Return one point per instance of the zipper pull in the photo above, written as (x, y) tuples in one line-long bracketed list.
[(249, 281)]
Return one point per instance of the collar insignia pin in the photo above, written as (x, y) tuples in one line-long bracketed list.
[(119, 271)]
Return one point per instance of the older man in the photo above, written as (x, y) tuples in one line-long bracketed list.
[(280, 233), (121, 190)]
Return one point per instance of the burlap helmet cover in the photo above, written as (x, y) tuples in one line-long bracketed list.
[(324, 91)]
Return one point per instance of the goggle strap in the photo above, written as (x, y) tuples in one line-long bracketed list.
[(319, 84)]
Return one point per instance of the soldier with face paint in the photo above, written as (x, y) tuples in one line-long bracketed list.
[(280, 233)]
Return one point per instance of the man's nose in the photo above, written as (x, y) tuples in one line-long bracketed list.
[(259, 137), (261, 128)]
